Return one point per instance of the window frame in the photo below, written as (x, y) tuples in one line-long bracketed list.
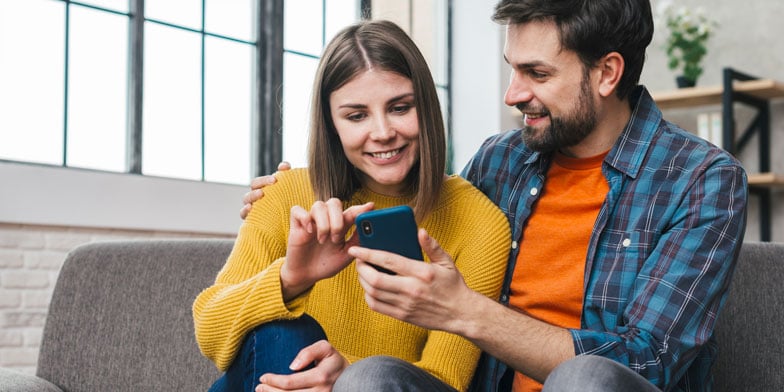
[(64, 196), (266, 139)]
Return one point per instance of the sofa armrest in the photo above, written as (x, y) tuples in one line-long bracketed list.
[(19, 382)]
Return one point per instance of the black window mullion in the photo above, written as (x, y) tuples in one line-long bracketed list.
[(66, 81), (203, 79), (266, 134), (135, 87), (449, 135), (366, 9)]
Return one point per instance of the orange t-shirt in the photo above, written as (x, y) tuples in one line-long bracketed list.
[(547, 283)]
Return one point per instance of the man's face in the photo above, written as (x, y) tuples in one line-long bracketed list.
[(550, 86)]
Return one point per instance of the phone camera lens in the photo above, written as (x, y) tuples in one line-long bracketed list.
[(367, 228)]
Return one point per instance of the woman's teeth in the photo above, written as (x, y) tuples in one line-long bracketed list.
[(386, 155)]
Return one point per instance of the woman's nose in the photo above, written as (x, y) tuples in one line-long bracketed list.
[(383, 130)]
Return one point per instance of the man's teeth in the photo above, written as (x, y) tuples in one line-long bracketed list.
[(533, 116), (386, 155)]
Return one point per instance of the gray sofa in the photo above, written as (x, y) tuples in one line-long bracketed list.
[(120, 320)]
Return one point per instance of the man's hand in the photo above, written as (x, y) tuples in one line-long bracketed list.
[(256, 191), (329, 364), (427, 295), (435, 296)]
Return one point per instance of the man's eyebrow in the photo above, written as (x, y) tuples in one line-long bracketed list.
[(527, 65)]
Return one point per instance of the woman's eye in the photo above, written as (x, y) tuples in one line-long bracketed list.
[(401, 108), (356, 116)]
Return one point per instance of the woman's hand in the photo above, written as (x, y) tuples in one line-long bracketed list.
[(317, 244), (327, 363)]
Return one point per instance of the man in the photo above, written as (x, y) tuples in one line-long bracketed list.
[(627, 227)]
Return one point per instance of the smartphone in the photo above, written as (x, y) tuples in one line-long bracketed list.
[(390, 229)]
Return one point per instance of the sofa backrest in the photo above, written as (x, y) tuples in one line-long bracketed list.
[(120, 316), (751, 346)]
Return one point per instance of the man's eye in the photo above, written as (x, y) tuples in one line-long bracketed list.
[(538, 75)]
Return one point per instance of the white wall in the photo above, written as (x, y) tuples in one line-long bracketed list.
[(479, 78), (46, 195)]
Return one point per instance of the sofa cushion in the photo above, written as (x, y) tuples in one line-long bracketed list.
[(120, 317), (11, 380), (751, 347)]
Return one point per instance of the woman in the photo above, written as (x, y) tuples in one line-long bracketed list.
[(285, 300)]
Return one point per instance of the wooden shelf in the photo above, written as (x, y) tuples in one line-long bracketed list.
[(740, 86), (766, 180), (711, 95)]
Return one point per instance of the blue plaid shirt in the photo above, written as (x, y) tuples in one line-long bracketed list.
[(661, 253)]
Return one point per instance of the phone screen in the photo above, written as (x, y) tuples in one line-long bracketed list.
[(390, 229)]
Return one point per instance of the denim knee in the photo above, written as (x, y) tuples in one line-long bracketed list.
[(389, 374), (269, 348), (591, 373)]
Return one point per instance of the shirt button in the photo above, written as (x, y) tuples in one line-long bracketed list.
[(514, 244), (534, 191), (626, 242)]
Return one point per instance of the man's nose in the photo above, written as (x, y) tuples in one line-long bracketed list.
[(518, 91)]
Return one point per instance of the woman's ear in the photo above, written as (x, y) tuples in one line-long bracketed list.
[(611, 69)]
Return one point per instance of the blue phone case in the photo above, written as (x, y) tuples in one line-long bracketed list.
[(390, 229)]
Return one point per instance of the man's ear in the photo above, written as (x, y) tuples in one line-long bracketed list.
[(611, 68)]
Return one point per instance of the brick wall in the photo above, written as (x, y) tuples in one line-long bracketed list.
[(30, 259)]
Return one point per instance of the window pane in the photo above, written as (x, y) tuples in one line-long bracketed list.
[(339, 14), (97, 96), (227, 120), (298, 74), (115, 5), (302, 31), (31, 96), (171, 141), (186, 13), (232, 18)]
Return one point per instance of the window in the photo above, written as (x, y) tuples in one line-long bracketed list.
[(304, 37), (87, 84)]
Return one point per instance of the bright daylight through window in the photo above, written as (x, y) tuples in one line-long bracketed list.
[(86, 84)]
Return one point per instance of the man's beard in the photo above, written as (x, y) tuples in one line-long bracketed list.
[(564, 131)]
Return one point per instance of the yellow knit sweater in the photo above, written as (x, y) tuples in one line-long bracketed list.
[(247, 290)]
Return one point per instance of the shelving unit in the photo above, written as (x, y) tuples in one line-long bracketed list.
[(738, 87)]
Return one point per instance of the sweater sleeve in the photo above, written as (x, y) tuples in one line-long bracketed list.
[(478, 238), (247, 290)]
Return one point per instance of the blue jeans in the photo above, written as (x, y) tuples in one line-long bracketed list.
[(269, 348)]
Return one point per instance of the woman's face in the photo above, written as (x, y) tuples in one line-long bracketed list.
[(376, 120)]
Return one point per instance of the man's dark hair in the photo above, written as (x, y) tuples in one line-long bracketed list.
[(592, 29)]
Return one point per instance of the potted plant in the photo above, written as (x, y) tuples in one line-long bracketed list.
[(688, 34)]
